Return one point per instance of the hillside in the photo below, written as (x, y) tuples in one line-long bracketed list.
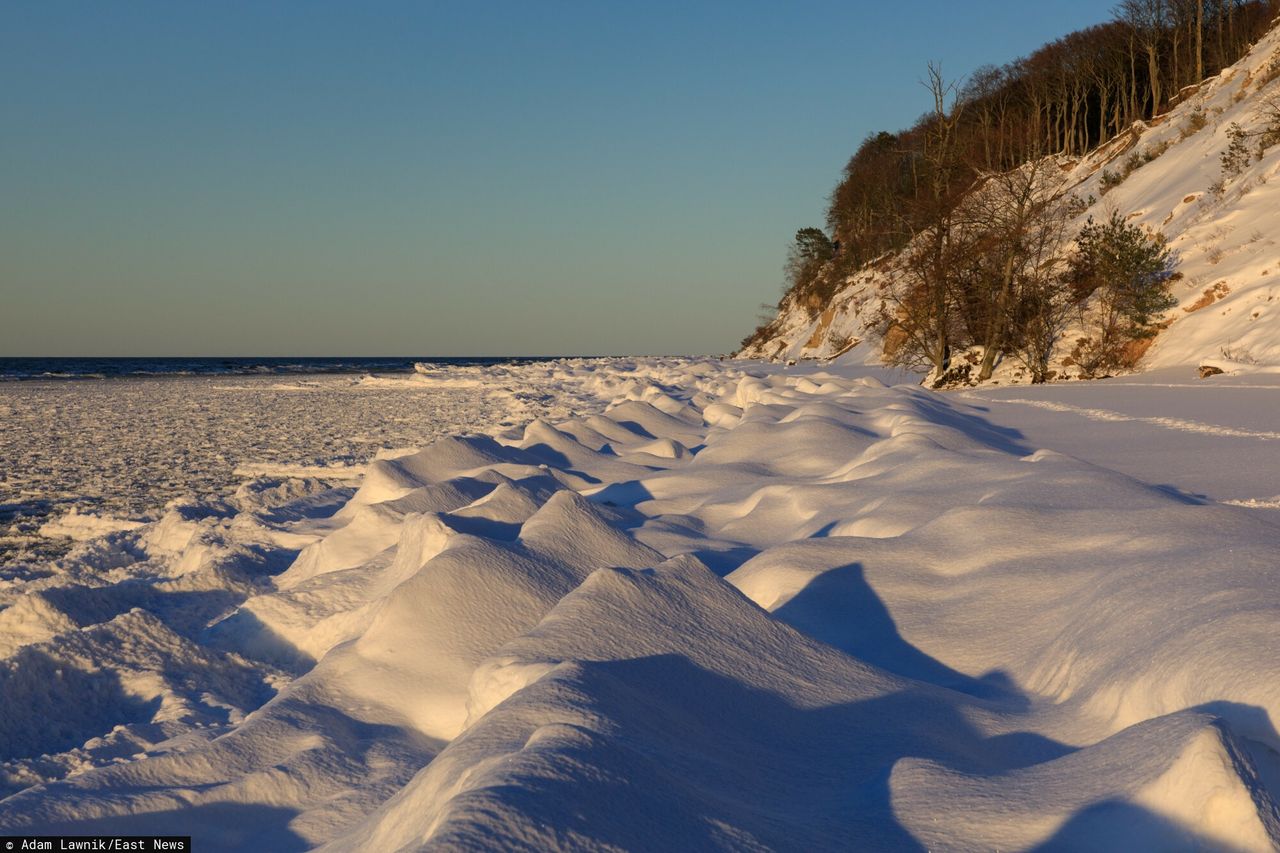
[(1223, 236)]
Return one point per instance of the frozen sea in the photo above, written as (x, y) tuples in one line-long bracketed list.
[(120, 438)]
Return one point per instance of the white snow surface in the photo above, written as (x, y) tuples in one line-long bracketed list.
[(711, 605), (1227, 245), (89, 456)]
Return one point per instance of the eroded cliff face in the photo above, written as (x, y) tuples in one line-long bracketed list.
[(1223, 228)]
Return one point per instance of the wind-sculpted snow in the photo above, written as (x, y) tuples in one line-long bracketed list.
[(734, 608), (81, 459)]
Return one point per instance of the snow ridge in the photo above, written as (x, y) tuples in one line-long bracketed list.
[(739, 608), (1167, 423)]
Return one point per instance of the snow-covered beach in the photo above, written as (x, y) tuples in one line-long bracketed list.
[(661, 603), (78, 458), (745, 427)]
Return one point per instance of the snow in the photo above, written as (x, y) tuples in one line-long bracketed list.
[(79, 526), (1206, 440), (123, 448), (663, 603), (680, 604)]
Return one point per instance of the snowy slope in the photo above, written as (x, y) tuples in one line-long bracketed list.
[(741, 608), (1228, 249)]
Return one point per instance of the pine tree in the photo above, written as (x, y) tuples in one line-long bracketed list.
[(1120, 279), (1237, 156)]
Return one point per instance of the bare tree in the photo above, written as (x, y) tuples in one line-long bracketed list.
[(1040, 307), (1148, 20), (1014, 221), (1199, 41), (924, 304)]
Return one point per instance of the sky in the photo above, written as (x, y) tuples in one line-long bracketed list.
[(440, 177)]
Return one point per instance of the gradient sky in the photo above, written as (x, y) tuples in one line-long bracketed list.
[(441, 178)]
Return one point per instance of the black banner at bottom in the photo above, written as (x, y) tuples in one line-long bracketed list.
[(91, 843)]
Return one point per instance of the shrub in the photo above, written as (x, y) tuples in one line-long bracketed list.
[(1237, 156), (1269, 115), (1076, 205), (806, 269), (1119, 278), (1135, 161), (1194, 123), (839, 343), (1271, 72), (1151, 153)]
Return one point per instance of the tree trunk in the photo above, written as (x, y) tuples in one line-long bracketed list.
[(995, 328), (1102, 112), (1222, 53), (1133, 83), (1232, 45), (1153, 68), (940, 345), (1200, 40), (1177, 78)]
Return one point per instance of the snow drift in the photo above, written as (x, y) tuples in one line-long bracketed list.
[(732, 608)]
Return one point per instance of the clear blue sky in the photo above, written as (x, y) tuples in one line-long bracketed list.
[(440, 178)]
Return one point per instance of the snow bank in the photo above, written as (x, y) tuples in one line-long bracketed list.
[(732, 607)]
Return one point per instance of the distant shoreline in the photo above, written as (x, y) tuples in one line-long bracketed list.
[(23, 369)]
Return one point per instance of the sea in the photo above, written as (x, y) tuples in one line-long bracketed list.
[(119, 438), (75, 368)]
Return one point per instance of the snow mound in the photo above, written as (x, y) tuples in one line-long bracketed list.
[(784, 610), (1176, 782)]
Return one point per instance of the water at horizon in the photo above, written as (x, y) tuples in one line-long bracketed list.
[(36, 367)]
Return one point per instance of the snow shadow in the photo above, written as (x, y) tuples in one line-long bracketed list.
[(633, 427), (690, 750), (244, 633), (940, 411), (1182, 496), (723, 561), (1255, 733), (626, 494), (841, 609), (61, 706), (313, 507), (212, 827), (556, 459), (486, 528), (1121, 826), (186, 612)]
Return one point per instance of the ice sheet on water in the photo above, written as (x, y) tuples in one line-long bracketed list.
[(125, 447)]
